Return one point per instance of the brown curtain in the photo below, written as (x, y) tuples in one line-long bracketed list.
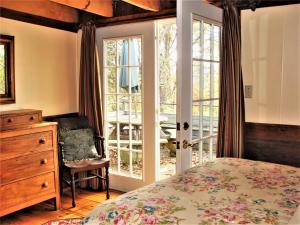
[(89, 85), (232, 108)]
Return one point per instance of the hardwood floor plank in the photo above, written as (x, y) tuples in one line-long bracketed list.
[(41, 213)]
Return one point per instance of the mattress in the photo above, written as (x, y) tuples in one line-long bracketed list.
[(225, 191)]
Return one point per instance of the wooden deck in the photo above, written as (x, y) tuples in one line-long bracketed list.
[(43, 212)]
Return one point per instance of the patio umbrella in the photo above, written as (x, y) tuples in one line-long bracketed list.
[(134, 71)]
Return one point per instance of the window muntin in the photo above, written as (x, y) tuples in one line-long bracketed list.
[(123, 105)]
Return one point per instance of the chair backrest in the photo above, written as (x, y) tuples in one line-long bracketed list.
[(75, 123)]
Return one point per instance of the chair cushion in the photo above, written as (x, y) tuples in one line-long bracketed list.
[(78, 144)]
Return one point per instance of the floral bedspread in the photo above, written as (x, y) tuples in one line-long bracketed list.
[(226, 191)]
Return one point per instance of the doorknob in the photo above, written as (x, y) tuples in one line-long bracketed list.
[(186, 125), (186, 144)]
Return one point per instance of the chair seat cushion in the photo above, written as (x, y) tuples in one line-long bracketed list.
[(78, 144), (87, 163)]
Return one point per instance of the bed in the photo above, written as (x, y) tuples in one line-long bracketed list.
[(225, 191)]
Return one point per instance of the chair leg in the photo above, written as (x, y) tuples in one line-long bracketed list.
[(100, 185), (107, 182), (61, 182), (73, 190)]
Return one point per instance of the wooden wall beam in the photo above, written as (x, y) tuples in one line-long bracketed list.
[(42, 8), (29, 18), (152, 5), (274, 143), (99, 7)]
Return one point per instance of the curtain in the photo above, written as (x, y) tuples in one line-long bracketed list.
[(232, 108), (89, 85)]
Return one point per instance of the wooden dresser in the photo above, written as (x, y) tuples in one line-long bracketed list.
[(28, 161)]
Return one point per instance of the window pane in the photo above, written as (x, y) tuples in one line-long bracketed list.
[(111, 80), (206, 80), (112, 132), (196, 39), (110, 50), (123, 108), (216, 79), (135, 74), (124, 135), (137, 164), (196, 80), (136, 109), (207, 42), (125, 162), (113, 156), (206, 119), (135, 52), (215, 116), (216, 43), (196, 121), (111, 107), (122, 50), (123, 73)]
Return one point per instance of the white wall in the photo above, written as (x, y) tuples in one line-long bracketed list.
[(271, 63), (46, 67)]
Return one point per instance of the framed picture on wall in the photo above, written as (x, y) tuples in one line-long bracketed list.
[(7, 69)]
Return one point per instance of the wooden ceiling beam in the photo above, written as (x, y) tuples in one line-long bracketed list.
[(152, 5), (139, 17), (42, 8), (99, 7)]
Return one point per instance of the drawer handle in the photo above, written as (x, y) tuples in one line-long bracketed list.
[(42, 141), (31, 118), (9, 120), (45, 184), (44, 161)]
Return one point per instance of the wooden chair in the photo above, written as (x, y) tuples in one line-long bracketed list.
[(74, 167)]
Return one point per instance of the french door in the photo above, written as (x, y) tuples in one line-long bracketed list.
[(199, 31), (129, 103)]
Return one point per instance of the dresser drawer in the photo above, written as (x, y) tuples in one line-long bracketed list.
[(25, 144), (11, 121), (26, 166), (27, 190)]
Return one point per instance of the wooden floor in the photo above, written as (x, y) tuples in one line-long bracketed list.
[(43, 212)]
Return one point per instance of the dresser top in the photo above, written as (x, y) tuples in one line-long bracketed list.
[(38, 127), (18, 112)]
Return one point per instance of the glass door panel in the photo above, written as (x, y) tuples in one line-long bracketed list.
[(123, 95), (205, 91)]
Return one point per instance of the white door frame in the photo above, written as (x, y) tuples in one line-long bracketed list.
[(185, 11), (149, 96)]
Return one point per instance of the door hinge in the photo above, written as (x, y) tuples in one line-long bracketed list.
[(177, 126), (177, 145)]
